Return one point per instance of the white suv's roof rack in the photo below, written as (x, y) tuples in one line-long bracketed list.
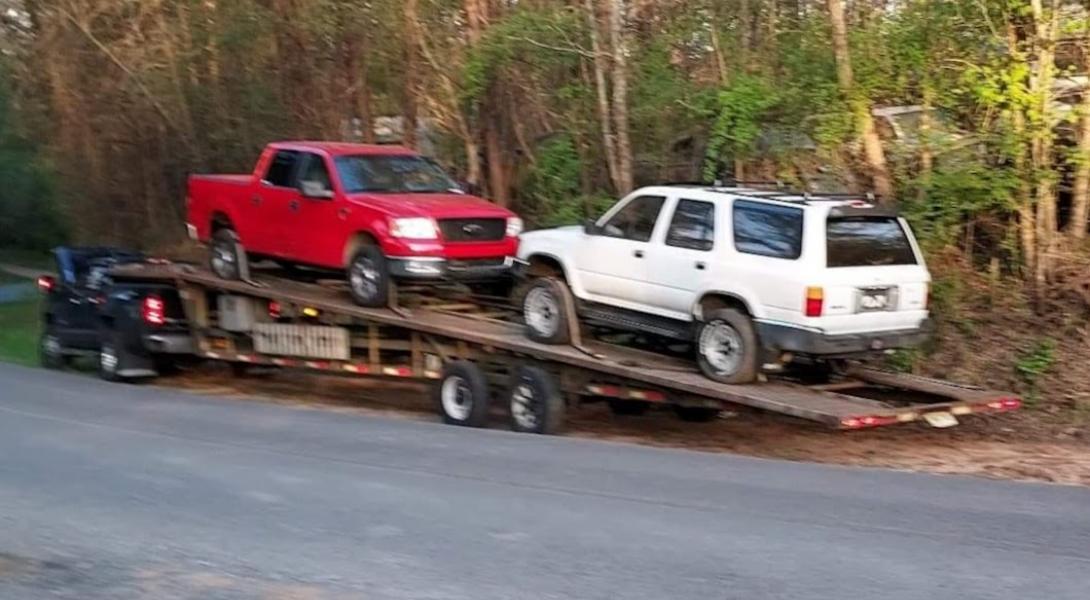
[(781, 193)]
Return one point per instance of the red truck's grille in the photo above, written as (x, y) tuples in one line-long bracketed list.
[(473, 230)]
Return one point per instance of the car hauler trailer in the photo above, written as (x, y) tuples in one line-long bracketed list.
[(472, 351)]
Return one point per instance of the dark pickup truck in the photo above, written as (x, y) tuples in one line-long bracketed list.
[(134, 329)]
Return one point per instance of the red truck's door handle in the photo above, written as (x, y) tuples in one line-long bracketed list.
[(293, 206), (255, 200)]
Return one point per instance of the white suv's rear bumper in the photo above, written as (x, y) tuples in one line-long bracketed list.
[(784, 338)]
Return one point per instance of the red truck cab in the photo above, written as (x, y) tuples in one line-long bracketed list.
[(379, 212)]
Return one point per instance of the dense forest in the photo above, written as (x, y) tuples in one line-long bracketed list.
[(970, 116)]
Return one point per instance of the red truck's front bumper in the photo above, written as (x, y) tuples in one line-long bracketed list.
[(433, 259)]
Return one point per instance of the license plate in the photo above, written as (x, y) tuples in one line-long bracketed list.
[(871, 300), (940, 420)]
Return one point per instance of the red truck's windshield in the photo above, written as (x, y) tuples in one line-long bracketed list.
[(392, 174)]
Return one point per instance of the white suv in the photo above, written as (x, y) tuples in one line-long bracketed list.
[(745, 274)]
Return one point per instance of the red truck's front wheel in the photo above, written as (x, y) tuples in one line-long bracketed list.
[(369, 277)]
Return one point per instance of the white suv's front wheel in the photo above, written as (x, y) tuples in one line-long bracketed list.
[(726, 347), (545, 312)]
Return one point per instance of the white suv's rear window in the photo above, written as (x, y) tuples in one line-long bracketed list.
[(867, 242)]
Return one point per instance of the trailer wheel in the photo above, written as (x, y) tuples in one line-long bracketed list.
[(223, 257), (535, 402), (462, 395), (545, 312), (726, 347), (369, 278), (628, 408), (696, 414)]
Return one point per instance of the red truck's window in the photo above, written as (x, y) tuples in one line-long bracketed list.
[(282, 168), (392, 174)]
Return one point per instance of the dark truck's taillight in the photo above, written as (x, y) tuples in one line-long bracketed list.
[(46, 283), (153, 310)]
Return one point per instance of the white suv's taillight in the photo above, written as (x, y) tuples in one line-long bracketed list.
[(815, 301)]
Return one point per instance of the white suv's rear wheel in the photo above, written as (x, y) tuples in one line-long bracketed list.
[(545, 312), (726, 347)]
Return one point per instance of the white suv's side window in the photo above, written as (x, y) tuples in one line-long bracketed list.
[(636, 220), (767, 229), (692, 226)]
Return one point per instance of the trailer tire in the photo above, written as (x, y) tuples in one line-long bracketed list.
[(369, 277), (628, 408), (223, 255), (535, 402), (546, 314), (696, 414), (726, 347), (462, 394)]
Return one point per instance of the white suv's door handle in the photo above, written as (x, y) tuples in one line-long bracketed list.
[(638, 253), (700, 266)]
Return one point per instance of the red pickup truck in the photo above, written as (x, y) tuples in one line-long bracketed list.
[(381, 213)]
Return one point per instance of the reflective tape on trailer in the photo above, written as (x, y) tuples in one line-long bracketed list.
[(613, 391)]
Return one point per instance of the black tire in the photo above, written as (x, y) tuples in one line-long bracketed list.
[(696, 414), (462, 394), (726, 347), (51, 351), (546, 315), (628, 408), (112, 359), (369, 278), (535, 403), (223, 255)]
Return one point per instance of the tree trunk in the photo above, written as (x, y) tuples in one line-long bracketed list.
[(1080, 198), (873, 154), (605, 118), (619, 38), (1041, 78), (412, 49)]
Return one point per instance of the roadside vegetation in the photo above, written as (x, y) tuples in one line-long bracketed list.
[(972, 118)]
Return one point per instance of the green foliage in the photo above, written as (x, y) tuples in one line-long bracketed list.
[(19, 332), (533, 41), (739, 109), (1034, 363), (28, 215), (551, 194), (956, 194)]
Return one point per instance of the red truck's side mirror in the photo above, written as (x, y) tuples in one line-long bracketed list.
[(46, 284)]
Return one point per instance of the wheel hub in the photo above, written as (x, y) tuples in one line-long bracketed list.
[(522, 407), (107, 357), (364, 278), (457, 398), (542, 311), (721, 346)]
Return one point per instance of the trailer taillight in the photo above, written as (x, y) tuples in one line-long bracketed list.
[(867, 421), (274, 309), (153, 310), (815, 301)]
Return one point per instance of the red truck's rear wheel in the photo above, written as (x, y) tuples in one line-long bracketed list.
[(369, 277), (223, 257)]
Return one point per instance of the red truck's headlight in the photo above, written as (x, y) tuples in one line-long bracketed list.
[(416, 228), (514, 226)]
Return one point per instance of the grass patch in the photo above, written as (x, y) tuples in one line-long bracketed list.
[(19, 327)]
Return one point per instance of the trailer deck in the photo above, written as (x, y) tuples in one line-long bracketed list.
[(862, 398)]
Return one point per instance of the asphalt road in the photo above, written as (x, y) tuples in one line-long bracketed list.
[(117, 492)]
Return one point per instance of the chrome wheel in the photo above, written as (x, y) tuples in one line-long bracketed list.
[(364, 277), (722, 347), (224, 261), (542, 311), (457, 398), (522, 407), (52, 353), (108, 360)]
